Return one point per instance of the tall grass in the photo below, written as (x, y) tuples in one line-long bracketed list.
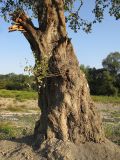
[(19, 95)]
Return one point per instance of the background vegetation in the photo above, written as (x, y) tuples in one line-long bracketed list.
[(17, 82), (106, 80)]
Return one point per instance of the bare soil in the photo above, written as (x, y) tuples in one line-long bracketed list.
[(21, 149)]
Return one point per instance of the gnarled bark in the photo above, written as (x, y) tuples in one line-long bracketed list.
[(67, 111)]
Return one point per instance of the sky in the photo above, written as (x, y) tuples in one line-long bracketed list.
[(90, 49)]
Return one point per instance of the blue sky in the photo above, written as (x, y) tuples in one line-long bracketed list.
[(90, 49)]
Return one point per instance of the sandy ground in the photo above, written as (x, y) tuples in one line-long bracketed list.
[(21, 149), (18, 149)]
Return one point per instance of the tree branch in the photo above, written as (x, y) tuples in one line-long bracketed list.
[(21, 20), (24, 24)]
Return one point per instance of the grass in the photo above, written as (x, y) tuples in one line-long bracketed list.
[(112, 132), (106, 99), (21, 108), (18, 95), (115, 114), (7, 130), (23, 126)]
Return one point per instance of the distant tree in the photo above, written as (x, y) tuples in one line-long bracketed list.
[(107, 84), (101, 82), (117, 83), (15, 86), (112, 63), (13, 81), (2, 84)]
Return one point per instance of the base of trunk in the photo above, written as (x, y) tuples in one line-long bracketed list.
[(69, 113), (56, 149)]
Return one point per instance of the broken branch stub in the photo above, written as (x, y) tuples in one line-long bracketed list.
[(17, 19), (16, 27)]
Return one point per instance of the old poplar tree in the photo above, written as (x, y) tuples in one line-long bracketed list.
[(67, 111)]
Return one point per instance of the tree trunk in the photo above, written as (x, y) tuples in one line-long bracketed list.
[(67, 111)]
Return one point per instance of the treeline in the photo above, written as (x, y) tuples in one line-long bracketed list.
[(105, 81), (17, 82)]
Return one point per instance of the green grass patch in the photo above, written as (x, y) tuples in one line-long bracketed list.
[(112, 132), (22, 126), (18, 95), (106, 99), (7, 130), (115, 114)]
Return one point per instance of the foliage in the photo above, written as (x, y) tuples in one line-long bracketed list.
[(40, 70), (17, 82), (105, 81), (112, 63), (72, 10), (101, 82), (117, 82)]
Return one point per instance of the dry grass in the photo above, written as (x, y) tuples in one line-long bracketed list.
[(13, 105), (17, 118)]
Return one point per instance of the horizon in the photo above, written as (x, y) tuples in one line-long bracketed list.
[(90, 49)]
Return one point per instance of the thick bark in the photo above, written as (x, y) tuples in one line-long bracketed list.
[(67, 111)]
